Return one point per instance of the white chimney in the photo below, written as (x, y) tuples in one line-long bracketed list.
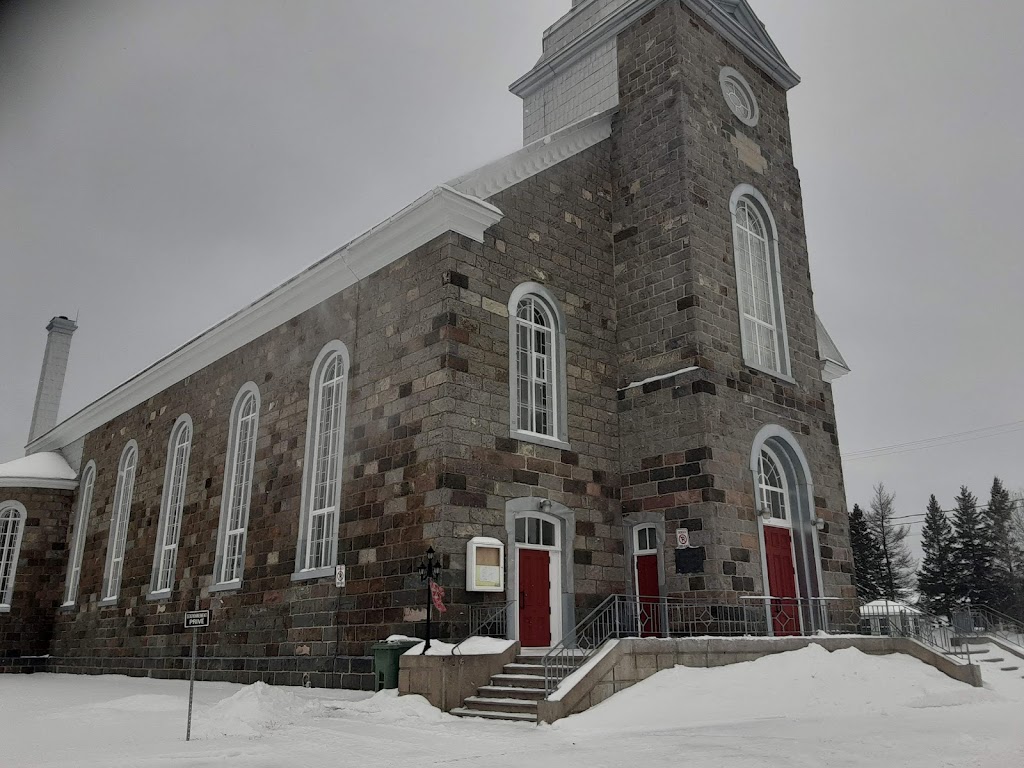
[(51, 377)]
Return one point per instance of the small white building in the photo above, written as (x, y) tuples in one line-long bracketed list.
[(885, 616)]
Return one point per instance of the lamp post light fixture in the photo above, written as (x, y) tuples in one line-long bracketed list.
[(429, 570)]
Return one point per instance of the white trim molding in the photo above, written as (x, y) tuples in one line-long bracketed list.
[(535, 157), (79, 532), (172, 505), (441, 210)]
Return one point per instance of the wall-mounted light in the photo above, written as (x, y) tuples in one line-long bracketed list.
[(765, 513), (819, 523), (545, 505)]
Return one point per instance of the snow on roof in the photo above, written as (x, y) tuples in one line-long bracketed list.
[(40, 470), (834, 364)]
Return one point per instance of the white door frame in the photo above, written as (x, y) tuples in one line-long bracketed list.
[(554, 576)]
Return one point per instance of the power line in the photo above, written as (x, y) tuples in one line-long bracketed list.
[(934, 442)]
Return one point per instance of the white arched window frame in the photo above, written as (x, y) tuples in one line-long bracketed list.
[(317, 547), (773, 491), (12, 527), (759, 283), (537, 376), (79, 533), (172, 506), (237, 493), (119, 519)]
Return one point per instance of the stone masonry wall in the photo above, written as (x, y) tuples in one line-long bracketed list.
[(27, 629), (679, 155)]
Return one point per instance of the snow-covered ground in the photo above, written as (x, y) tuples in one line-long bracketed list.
[(805, 708)]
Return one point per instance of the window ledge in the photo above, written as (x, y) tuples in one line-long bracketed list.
[(533, 437), (228, 586), (313, 573), (769, 372), (5, 609), (107, 602), (163, 594), (67, 607)]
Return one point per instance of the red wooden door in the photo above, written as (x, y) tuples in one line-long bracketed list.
[(782, 580), (648, 595), (534, 598)]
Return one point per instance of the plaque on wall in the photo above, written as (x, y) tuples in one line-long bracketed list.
[(690, 560)]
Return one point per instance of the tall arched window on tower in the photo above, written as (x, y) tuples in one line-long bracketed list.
[(12, 526), (78, 536), (238, 474), (317, 550), (119, 522), (759, 283), (537, 366), (179, 447)]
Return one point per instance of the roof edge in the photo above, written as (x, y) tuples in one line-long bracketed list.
[(56, 483), (535, 157), (441, 210)]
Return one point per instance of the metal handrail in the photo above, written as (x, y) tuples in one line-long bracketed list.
[(619, 616), (487, 621), (994, 623)]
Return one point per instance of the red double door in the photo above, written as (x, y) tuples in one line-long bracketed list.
[(534, 575), (778, 550)]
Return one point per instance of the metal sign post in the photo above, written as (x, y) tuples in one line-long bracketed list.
[(194, 620)]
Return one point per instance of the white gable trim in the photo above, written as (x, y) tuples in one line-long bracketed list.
[(441, 210), (38, 482), (535, 157)]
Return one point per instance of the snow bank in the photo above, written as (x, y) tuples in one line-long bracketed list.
[(387, 707), (38, 466), (144, 702), (473, 646), (807, 683), (253, 710)]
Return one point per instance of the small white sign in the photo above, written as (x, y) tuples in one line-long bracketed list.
[(339, 576), (682, 538), (197, 619)]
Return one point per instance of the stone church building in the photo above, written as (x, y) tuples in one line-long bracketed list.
[(568, 357)]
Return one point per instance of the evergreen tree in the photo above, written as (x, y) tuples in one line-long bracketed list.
[(1007, 555), (867, 557), (897, 563), (973, 551), (936, 578)]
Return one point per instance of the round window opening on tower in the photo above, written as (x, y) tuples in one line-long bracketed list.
[(738, 96)]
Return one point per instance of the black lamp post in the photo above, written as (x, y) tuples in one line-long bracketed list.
[(429, 570)]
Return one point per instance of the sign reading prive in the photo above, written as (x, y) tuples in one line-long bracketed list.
[(197, 619)]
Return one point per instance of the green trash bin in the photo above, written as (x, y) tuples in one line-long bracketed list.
[(386, 658)]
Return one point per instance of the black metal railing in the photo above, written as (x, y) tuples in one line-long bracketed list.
[(620, 616), (978, 620)]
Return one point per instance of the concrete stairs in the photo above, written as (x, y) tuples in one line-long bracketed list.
[(511, 695), (984, 653)]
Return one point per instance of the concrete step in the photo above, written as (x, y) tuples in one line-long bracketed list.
[(510, 692), (992, 660), (529, 660), (1009, 669), (974, 652), (519, 681), (524, 669), (500, 705), (492, 715)]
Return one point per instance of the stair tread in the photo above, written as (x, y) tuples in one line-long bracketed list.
[(1008, 669), (494, 715), (993, 661), (516, 676), (505, 701), (508, 689)]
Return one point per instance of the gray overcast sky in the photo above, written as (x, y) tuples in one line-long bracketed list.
[(162, 164)]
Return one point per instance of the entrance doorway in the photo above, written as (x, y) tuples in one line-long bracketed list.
[(646, 577), (538, 585), (777, 516)]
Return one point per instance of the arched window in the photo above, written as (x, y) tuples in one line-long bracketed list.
[(759, 286), (773, 490), (645, 540), (12, 526), (537, 366), (78, 536), (536, 531), (317, 550), (179, 447), (119, 521), (238, 473)]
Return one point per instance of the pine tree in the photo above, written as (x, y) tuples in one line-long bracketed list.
[(1007, 556), (936, 577), (973, 552), (867, 557), (897, 563)]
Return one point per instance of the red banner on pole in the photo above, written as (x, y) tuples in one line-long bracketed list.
[(437, 595)]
